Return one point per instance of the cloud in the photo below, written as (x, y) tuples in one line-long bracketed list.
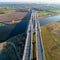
[(50, 1)]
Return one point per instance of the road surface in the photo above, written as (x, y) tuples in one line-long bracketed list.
[(28, 44)]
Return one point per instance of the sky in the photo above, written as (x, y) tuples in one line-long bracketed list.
[(34, 1)]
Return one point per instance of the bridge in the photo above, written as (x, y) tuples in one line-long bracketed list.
[(33, 27)]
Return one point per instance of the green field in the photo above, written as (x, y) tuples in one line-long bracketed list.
[(51, 41), (34, 47), (43, 14), (6, 11)]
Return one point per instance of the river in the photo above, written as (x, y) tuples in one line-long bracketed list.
[(22, 26)]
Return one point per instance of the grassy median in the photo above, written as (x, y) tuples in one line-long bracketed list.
[(34, 47)]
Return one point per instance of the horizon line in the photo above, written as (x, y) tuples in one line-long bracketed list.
[(30, 3)]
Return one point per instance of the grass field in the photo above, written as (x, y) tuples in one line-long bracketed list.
[(51, 41), (34, 46), (56, 11), (43, 14)]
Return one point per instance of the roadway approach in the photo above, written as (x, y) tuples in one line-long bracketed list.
[(33, 27)]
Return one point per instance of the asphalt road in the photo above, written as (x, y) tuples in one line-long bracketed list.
[(28, 44)]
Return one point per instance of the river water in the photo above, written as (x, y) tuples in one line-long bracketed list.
[(44, 21)]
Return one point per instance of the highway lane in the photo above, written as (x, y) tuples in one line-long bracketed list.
[(39, 45), (28, 44), (38, 49)]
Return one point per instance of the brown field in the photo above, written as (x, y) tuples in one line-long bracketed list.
[(10, 17), (51, 40)]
